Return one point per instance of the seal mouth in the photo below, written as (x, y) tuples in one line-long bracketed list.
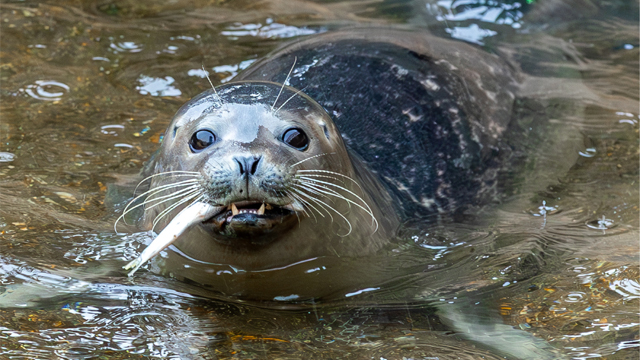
[(255, 209), (254, 221)]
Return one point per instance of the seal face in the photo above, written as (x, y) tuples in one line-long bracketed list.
[(275, 184), (249, 152)]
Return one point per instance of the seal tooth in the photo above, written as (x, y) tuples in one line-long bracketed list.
[(261, 210), (234, 209)]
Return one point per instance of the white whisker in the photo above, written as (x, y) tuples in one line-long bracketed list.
[(304, 202), (327, 172), (150, 193), (165, 197), (318, 201), (298, 216), (311, 176), (290, 97), (213, 87), (302, 193), (172, 206), (312, 190), (173, 173), (311, 157), (368, 208), (168, 210), (155, 190), (290, 195), (295, 59), (323, 190), (169, 197)]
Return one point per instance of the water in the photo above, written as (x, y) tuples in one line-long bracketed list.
[(87, 89)]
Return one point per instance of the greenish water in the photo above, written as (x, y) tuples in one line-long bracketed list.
[(87, 88)]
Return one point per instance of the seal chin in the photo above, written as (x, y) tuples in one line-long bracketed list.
[(250, 223)]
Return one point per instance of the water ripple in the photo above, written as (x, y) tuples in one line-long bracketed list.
[(7, 157), (48, 90), (125, 47), (574, 297)]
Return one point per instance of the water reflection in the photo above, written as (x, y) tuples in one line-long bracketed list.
[(144, 323), (269, 29), (111, 129), (600, 224), (125, 46), (48, 90), (157, 86), (230, 71), (472, 33), (589, 152), (494, 12), (7, 157)]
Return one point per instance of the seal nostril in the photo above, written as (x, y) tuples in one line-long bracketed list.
[(241, 165), (248, 165), (254, 166)]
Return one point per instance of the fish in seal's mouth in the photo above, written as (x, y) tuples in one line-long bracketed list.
[(254, 223)]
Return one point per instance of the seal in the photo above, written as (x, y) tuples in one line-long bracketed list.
[(374, 128)]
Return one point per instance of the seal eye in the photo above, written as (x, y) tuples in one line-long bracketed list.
[(296, 138), (201, 140)]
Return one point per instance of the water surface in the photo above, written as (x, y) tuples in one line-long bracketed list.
[(88, 88)]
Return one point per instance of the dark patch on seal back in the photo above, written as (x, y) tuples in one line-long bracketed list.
[(406, 116)]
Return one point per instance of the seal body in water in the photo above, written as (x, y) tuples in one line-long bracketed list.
[(421, 119)]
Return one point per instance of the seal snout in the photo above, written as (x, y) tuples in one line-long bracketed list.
[(248, 164)]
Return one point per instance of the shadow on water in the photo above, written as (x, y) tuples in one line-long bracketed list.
[(88, 88)]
